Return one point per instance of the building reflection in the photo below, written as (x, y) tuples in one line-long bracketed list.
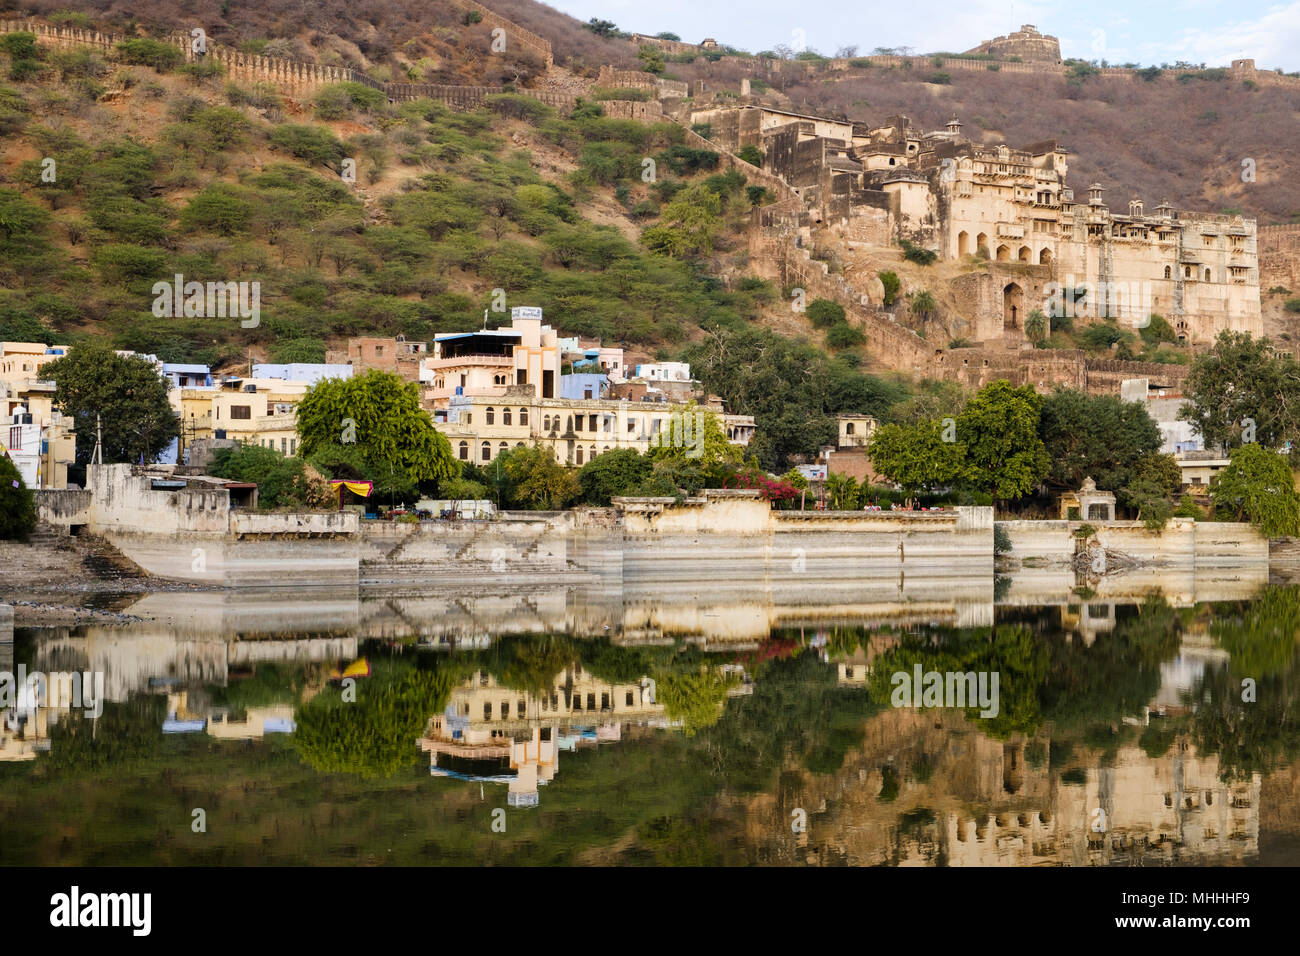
[(490, 732)]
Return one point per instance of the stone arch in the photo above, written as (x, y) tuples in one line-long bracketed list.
[(1207, 275), (1025, 255), (963, 243), (1004, 253), (1044, 256), (1013, 303), (1169, 273)]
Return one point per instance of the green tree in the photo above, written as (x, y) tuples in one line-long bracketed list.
[(842, 492), (824, 313), (17, 503), (281, 482), (890, 282), (695, 437), (1238, 382), (1258, 486), (375, 735), (1152, 504), (1157, 330), (916, 457), (1036, 327), (142, 51), (613, 473), (1099, 436), (751, 154), (844, 336), (535, 480), (126, 395), (689, 224), (377, 419), (220, 209), (999, 429), (312, 144), (695, 697)]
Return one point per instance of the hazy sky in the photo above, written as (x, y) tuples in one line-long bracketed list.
[(1120, 31)]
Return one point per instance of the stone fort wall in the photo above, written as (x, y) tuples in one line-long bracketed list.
[(1279, 257)]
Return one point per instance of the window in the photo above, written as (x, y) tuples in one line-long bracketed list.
[(591, 423), (379, 350), (546, 423), (505, 709), (241, 412), (578, 423), (501, 448), (293, 446), (491, 416), (464, 451), (523, 416), (1168, 273), (487, 711), (284, 445), (591, 701), (486, 451), (848, 429), (520, 708), (579, 454), (629, 699), (506, 417), (586, 393)]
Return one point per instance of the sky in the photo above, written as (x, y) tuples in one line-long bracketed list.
[(1212, 32)]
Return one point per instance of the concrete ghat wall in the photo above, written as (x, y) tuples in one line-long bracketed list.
[(1184, 543), (219, 561)]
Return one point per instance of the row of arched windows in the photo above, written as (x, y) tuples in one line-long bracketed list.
[(507, 416)]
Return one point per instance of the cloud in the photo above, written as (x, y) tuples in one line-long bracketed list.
[(1271, 40)]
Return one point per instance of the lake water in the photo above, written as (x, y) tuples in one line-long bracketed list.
[(560, 726)]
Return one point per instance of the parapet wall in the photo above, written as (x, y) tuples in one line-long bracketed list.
[(525, 38), (1046, 369), (1184, 543)]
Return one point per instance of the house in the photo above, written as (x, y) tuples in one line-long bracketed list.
[(487, 362), (307, 373), (395, 355)]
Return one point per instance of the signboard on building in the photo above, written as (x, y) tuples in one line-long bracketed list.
[(813, 472)]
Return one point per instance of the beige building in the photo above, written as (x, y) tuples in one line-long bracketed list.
[(508, 735), (486, 363), (21, 361), (254, 411), (41, 441), (575, 430), (875, 185)]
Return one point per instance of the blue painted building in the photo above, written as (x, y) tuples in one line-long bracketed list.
[(584, 385)]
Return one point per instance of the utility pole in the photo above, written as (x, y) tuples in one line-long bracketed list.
[(98, 457)]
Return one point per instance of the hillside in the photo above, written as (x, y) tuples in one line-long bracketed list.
[(157, 173), (166, 168)]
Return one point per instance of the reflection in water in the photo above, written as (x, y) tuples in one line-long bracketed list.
[(695, 729)]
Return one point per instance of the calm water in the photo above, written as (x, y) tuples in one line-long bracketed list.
[(556, 726)]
